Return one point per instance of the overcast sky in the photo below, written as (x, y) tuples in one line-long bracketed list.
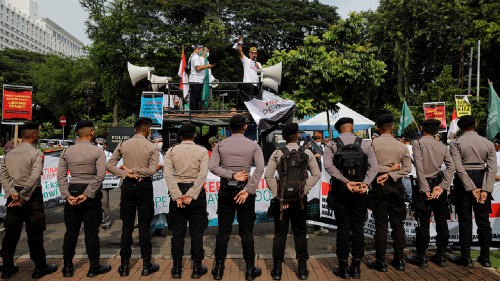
[(70, 15)]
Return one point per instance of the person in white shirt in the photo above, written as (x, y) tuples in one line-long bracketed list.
[(409, 137), (496, 142), (197, 76), (250, 67)]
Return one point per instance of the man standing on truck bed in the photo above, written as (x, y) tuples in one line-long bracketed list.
[(250, 67)]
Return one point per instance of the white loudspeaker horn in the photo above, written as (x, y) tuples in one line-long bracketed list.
[(159, 79), (273, 72), (138, 72), (270, 83)]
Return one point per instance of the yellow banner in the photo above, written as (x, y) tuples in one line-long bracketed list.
[(463, 106)]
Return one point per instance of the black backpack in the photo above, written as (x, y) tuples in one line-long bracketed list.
[(292, 172), (351, 160), (187, 69)]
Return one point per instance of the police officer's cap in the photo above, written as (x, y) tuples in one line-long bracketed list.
[(342, 121), (237, 120), (187, 128), (142, 120), (290, 129), (431, 122), (384, 119), (30, 126), (466, 121), (84, 124)]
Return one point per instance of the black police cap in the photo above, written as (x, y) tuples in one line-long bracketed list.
[(290, 129), (238, 119), (84, 124), (466, 121), (497, 137), (186, 128), (384, 119), (142, 120), (431, 122), (30, 126), (342, 121)]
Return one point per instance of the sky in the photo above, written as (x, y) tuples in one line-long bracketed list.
[(70, 15)]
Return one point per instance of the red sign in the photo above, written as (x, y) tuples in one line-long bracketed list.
[(436, 110), (63, 121), (16, 107)]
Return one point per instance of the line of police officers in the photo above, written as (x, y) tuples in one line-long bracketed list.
[(186, 167)]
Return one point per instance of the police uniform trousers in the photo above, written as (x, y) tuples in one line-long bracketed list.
[(294, 215), (245, 214), (31, 212), (90, 213), (389, 201), (196, 214), (195, 95), (350, 214), (465, 203), (136, 196)]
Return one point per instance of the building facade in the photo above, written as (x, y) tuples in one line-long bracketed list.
[(20, 28)]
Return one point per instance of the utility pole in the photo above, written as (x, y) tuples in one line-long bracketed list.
[(462, 60), (89, 91), (478, 67), (470, 69)]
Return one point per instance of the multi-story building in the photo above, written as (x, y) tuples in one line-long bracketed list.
[(20, 28)]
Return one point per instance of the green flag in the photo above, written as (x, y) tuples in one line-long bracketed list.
[(205, 94), (493, 124), (406, 119)]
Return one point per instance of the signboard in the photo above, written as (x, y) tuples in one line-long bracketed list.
[(118, 135), (16, 108), (463, 106), (152, 107), (436, 110), (63, 121)]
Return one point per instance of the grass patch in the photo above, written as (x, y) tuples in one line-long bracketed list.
[(494, 257)]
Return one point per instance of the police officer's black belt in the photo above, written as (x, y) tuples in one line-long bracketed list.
[(148, 179), (37, 189), (76, 189), (232, 185), (475, 172)]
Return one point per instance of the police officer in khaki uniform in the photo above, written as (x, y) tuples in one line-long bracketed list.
[(350, 201), (388, 194), (433, 185), (231, 160), (21, 171), (294, 213), (473, 187), (186, 168), (86, 164), (140, 161)]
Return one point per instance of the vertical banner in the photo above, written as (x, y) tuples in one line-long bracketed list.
[(152, 107), (16, 106), (436, 110), (463, 106)]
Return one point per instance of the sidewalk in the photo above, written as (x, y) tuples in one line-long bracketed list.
[(320, 269)]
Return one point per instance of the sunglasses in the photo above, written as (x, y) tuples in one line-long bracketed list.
[(253, 52)]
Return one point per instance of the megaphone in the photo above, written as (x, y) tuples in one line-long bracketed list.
[(138, 72), (270, 83), (273, 72), (159, 79)]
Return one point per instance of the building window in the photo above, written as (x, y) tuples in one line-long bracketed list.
[(17, 17)]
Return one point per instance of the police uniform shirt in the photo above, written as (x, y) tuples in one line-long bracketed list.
[(498, 163), (138, 154), (429, 155), (470, 152), (331, 149), (275, 159), (22, 166), (186, 163), (86, 164), (235, 154), (390, 151)]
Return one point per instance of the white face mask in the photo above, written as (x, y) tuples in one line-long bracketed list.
[(159, 145), (208, 54), (100, 145)]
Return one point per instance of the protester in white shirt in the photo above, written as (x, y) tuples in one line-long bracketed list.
[(496, 142), (250, 67), (409, 137), (197, 75)]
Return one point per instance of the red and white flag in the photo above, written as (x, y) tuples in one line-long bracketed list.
[(183, 75), (453, 125)]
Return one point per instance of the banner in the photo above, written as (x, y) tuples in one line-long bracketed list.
[(436, 110), (152, 107), (270, 111), (16, 106), (463, 106)]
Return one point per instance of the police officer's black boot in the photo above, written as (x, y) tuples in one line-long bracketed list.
[(277, 270), (9, 268), (177, 269), (398, 260), (379, 263), (218, 270), (68, 269), (303, 273), (252, 271), (198, 270), (484, 257), (464, 259), (343, 270), (439, 257), (124, 268), (149, 268), (420, 259), (41, 271), (95, 268), (355, 269)]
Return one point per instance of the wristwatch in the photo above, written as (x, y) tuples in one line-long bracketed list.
[(232, 176)]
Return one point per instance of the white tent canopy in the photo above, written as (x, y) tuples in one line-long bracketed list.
[(319, 122)]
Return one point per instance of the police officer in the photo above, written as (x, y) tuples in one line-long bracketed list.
[(388, 194), (231, 160), (473, 187), (21, 171), (428, 155), (106, 220), (140, 161), (186, 168), (87, 165), (350, 201)]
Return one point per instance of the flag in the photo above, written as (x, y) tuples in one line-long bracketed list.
[(406, 119), (493, 124), (205, 93), (182, 74), (453, 125)]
